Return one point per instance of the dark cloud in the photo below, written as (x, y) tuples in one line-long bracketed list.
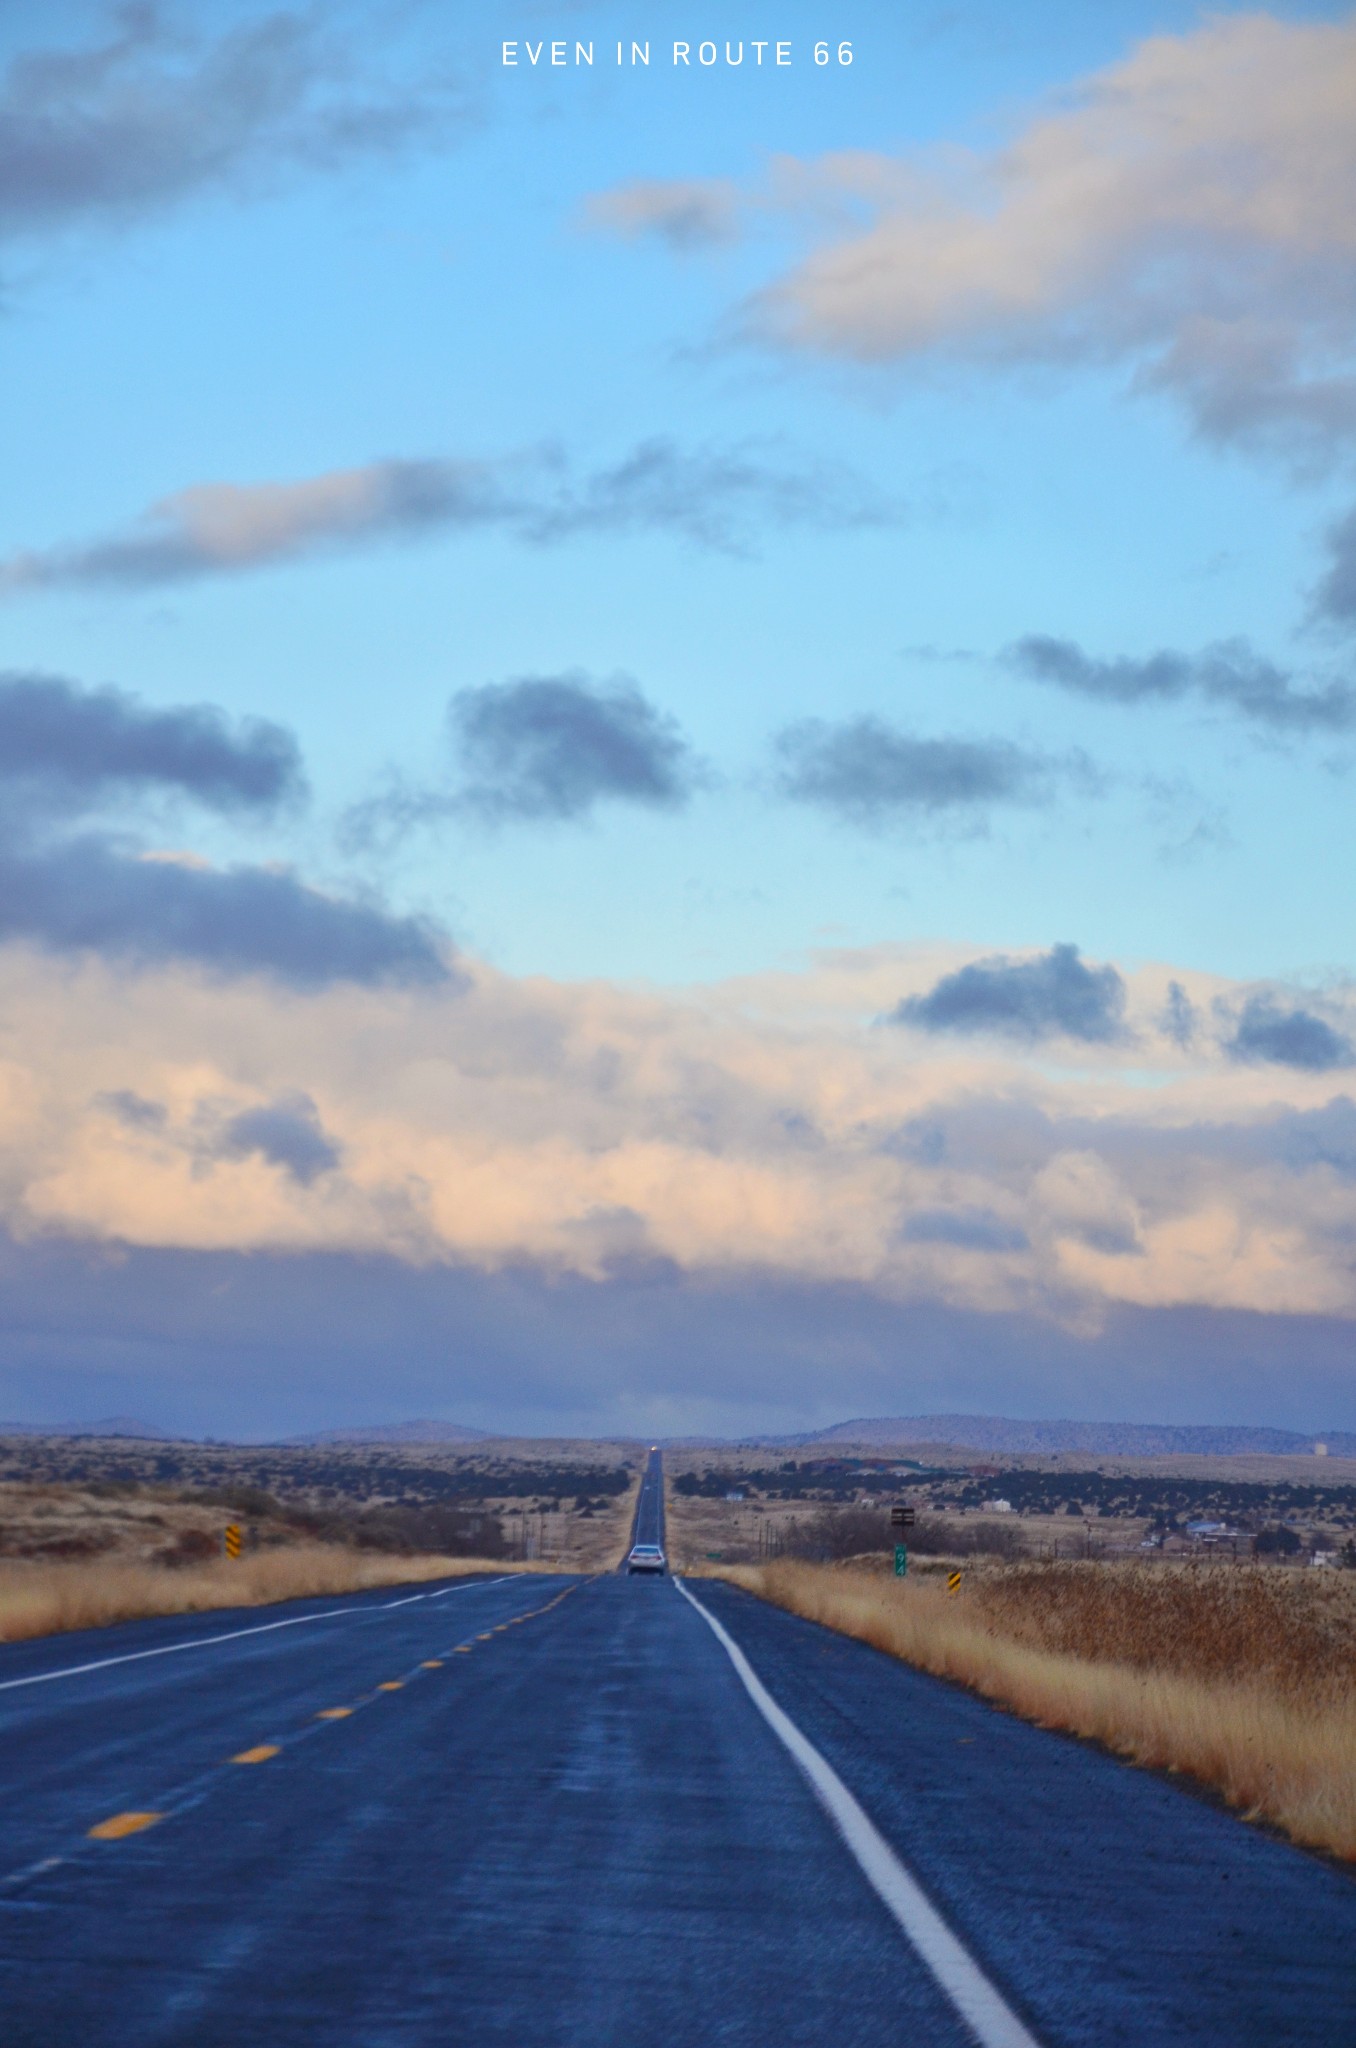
[(288, 1133), (970, 1230), (552, 747), (714, 497), (869, 773), (711, 497), (88, 895), (272, 1343), (132, 1109), (1230, 674), (114, 130), (1265, 1032), (1054, 995), (696, 214), (66, 752), (1178, 1021), (82, 744), (1334, 597)]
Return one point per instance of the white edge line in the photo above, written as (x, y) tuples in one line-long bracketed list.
[(169, 1649), (979, 2002), (229, 1636)]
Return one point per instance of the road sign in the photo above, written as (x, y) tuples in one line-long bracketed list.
[(233, 1539), (953, 1580), (901, 1561), (902, 1518)]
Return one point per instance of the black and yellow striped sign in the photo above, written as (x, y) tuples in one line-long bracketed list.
[(233, 1539), (953, 1580)]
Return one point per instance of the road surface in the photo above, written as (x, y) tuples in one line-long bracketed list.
[(548, 1812), (647, 1524)]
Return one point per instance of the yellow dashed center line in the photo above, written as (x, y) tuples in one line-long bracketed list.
[(120, 1824)]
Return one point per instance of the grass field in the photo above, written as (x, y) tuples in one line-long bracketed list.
[(43, 1599), (1241, 1679)]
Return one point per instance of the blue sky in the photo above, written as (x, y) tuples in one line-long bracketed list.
[(709, 536)]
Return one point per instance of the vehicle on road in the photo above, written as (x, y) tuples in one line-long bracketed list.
[(646, 1557)]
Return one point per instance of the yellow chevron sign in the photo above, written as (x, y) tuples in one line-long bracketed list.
[(953, 1580), (233, 1539)]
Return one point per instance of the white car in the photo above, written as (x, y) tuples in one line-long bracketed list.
[(646, 1557)]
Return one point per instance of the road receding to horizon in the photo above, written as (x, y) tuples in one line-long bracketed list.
[(551, 1810)]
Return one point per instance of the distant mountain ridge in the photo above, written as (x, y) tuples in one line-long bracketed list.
[(423, 1432), (110, 1425), (1095, 1439)]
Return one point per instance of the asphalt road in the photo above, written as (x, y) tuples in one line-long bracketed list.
[(551, 1812), (647, 1524)]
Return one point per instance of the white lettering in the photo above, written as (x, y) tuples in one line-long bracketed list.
[(760, 47), (734, 60), (534, 56), (557, 53), (583, 53), (640, 53), (702, 49), (681, 53), (783, 53), (510, 59)]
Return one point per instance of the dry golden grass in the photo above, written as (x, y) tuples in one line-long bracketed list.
[(1201, 1672), (45, 1599)]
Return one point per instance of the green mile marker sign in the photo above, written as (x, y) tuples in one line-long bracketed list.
[(901, 1561)]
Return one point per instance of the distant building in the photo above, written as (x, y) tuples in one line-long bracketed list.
[(998, 1507)]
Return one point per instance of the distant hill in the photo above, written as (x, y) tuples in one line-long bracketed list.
[(398, 1433), (1093, 1439), (110, 1425)]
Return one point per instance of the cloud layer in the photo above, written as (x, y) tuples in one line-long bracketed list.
[(1033, 1144), (555, 746), (718, 498), (1284, 1036), (111, 131), (1185, 212), (1054, 995), (1230, 675), (867, 772), (72, 879), (1334, 598), (73, 746)]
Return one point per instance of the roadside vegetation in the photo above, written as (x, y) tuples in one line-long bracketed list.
[(45, 1599), (1243, 1679), (114, 1538)]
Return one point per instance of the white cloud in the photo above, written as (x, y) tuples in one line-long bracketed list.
[(757, 1126), (1187, 211), (687, 213)]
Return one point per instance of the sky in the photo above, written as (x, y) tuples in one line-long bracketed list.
[(677, 737)]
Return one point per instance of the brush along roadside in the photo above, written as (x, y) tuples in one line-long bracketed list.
[(46, 1599), (1273, 1734)]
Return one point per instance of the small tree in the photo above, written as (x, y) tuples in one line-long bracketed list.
[(1279, 1542)]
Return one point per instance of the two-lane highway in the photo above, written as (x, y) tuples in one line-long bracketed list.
[(552, 1810), (647, 1524)]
